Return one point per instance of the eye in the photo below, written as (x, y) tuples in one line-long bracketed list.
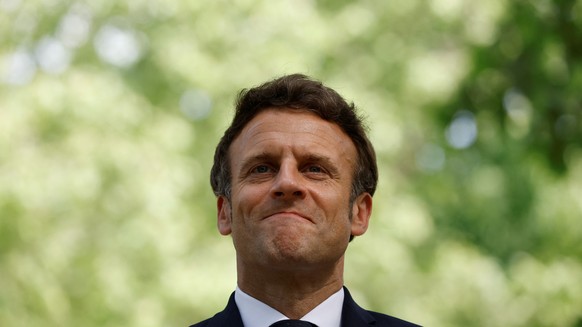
[(261, 169), (314, 169)]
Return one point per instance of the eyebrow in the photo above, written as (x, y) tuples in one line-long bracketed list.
[(329, 164), (317, 158), (251, 160)]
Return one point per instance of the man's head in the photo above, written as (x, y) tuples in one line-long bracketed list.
[(303, 94)]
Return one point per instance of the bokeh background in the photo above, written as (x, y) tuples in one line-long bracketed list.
[(110, 111)]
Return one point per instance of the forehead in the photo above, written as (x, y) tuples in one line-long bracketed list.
[(291, 129)]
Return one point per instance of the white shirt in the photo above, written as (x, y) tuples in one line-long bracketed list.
[(255, 313)]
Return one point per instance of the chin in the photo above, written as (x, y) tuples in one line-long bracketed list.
[(296, 257)]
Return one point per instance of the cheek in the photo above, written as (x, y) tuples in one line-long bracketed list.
[(334, 203), (248, 198), (335, 195)]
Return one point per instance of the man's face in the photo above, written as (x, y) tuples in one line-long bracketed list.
[(290, 203)]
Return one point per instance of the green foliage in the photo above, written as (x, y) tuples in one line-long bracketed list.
[(110, 111)]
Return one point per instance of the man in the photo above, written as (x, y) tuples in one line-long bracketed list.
[(294, 176)]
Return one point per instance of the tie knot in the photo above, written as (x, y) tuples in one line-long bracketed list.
[(292, 323)]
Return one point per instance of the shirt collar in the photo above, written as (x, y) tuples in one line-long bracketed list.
[(255, 313)]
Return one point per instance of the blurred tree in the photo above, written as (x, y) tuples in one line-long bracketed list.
[(523, 93), (110, 111)]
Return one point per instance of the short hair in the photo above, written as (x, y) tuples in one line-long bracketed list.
[(300, 92)]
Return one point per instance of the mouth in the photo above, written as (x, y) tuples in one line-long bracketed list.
[(288, 215)]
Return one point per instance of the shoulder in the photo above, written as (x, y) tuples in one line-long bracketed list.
[(354, 315), (230, 316), (220, 319), (202, 323), (389, 321)]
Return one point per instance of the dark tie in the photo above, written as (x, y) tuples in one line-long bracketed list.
[(293, 323)]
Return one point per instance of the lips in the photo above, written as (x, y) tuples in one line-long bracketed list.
[(288, 215)]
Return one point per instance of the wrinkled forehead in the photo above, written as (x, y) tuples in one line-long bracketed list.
[(291, 128)]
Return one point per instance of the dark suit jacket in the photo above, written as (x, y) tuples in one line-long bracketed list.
[(352, 316)]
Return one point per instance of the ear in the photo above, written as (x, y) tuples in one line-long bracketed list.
[(223, 216), (361, 211)]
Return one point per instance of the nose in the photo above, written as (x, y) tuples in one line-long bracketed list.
[(288, 184)]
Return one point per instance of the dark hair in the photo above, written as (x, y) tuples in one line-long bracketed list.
[(297, 91)]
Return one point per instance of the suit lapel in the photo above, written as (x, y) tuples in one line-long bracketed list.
[(352, 314), (229, 317)]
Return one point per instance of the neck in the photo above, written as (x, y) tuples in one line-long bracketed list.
[(291, 292)]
